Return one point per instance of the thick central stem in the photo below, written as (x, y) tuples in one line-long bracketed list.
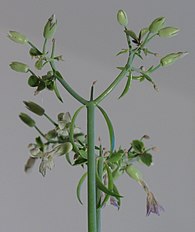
[(92, 225)]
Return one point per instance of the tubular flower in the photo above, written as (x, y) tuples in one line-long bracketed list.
[(152, 205)]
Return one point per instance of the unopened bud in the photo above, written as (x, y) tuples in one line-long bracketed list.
[(168, 32), (171, 58), (64, 148), (27, 120), (19, 67), (157, 24), (50, 27), (34, 52), (17, 37), (122, 18), (33, 81), (35, 108)]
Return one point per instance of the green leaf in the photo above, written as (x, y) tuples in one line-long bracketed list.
[(148, 78), (80, 161), (110, 185), (100, 170), (132, 35), (55, 88), (82, 179), (110, 128), (138, 146), (143, 32), (104, 189), (122, 52), (116, 156), (120, 68), (72, 126), (67, 156), (146, 158), (83, 154), (127, 86), (115, 190)]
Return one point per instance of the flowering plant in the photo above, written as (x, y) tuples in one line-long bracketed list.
[(104, 165)]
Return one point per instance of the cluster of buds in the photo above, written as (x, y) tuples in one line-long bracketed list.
[(156, 28)]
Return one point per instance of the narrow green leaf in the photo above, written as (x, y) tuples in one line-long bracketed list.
[(127, 86), (120, 68), (115, 190), (122, 52), (82, 179), (110, 185), (55, 88), (149, 79), (100, 169), (104, 189), (80, 161), (67, 156), (110, 128), (132, 35), (72, 126)]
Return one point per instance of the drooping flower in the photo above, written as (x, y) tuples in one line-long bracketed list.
[(114, 202), (47, 162), (152, 205)]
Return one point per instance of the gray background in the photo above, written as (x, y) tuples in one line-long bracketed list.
[(88, 36)]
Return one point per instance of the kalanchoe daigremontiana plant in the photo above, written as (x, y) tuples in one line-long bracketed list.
[(104, 165)]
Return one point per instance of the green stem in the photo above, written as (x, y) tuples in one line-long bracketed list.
[(92, 226), (40, 132), (33, 46), (44, 46), (51, 120), (67, 86), (117, 80), (100, 173)]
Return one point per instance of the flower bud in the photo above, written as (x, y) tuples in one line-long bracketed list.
[(157, 24), (33, 81), (134, 173), (35, 108), (64, 148), (51, 134), (19, 67), (168, 32), (171, 58), (50, 27), (39, 64), (27, 120), (17, 37), (122, 18), (34, 52)]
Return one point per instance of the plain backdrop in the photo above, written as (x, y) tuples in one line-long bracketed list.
[(89, 37)]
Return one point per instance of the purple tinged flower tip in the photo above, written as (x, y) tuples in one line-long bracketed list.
[(152, 205)]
